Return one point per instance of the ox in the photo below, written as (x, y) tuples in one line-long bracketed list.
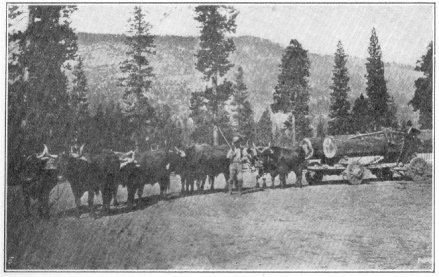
[(91, 173), (281, 161), (38, 178), (204, 160), (148, 167)]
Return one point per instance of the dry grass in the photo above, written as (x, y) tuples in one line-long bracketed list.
[(378, 225)]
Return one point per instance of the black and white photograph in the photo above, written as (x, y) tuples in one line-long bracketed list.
[(219, 137)]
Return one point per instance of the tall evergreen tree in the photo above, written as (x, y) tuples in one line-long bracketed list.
[(291, 94), (243, 116), (137, 75), (201, 113), (45, 46), (264, 128), (213, 55), (361, 118), (17, 103), (340, 106), (423, 99), (376, 85), (79, 102)]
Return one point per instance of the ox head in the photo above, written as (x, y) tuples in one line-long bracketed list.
[(35, 163), (77, 153), (176, 159)]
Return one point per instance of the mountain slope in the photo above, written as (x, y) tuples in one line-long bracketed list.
[(176, 76)]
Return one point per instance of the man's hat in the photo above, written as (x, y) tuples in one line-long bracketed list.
[(236, 139)]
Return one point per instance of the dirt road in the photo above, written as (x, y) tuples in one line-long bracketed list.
[(334, 226)]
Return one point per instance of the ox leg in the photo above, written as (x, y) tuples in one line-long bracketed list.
[(139, 194), (164, 185), (183, 184), (106, 198), (192, 180), (90, 200), (283, 181), (298, 173), (273, 177), (212, 182), (131, 193), (115, 202), (43, 204), (197, 183), (202, 182), (77, 196)]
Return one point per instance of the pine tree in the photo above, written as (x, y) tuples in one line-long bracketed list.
[(213, 55), (79, 102), (422, 100), (17, 103), (391, 116), (243, 116), (264, 133), (340, 106), (201, 113), (376, 85), (46, 46), (291, 93), (138, 73), (360, 115)]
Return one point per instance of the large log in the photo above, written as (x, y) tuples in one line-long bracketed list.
[(385, 143), (316, 145)]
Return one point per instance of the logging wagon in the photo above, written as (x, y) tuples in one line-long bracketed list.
[(383, 153)]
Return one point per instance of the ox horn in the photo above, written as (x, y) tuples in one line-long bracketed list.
[(44, 152), (81, 149), (181, 152)]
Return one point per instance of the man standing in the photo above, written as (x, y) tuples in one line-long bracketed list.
[(237, 158)]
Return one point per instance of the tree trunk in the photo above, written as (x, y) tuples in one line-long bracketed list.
[(340, 146), (215, 128)]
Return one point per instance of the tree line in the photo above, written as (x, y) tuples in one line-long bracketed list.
[(48, 103)]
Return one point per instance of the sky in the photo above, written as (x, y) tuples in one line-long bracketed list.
[(404, 30)]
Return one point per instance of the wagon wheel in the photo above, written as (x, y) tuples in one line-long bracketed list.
[(417, 169), (313, 177), (354, 173)]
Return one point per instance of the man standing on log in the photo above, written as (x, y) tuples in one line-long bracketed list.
[(237, 157)]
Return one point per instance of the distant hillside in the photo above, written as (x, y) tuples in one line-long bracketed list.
[(176, 76)]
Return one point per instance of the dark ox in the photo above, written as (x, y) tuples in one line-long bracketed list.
[(38, 178), (148, 167), (281, 161), (203, 160), (91, 173)]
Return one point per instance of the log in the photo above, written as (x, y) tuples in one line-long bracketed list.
[(317, 147), (340, 146)]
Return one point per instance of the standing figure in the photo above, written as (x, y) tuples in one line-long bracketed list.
[(237, 157)]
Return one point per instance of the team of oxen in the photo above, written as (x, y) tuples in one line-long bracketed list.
[(103, 172)]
